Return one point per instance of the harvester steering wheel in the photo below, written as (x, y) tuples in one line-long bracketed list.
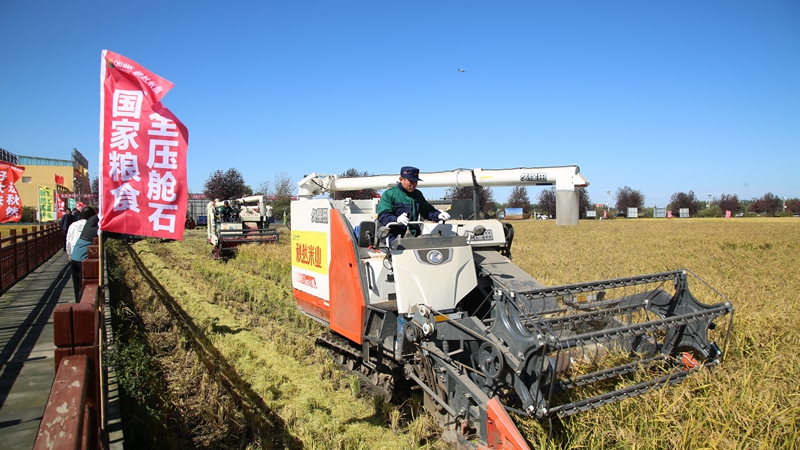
[(408, 227)]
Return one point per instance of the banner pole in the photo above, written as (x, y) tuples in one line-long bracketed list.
[(101, 327), (101, 258)]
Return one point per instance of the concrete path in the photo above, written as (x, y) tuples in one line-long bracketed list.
[(27, 360), (27, 363)]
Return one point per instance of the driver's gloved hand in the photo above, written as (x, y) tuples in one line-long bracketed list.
[(402, 219)]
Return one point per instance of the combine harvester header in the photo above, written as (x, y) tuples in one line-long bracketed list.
[(246, 222)]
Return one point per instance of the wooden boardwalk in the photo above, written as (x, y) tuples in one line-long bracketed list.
[(27, 363)]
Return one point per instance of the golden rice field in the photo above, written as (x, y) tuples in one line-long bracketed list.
[(236, 358), (5, 229)]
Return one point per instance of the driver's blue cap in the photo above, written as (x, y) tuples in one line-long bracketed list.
[(410, 173)]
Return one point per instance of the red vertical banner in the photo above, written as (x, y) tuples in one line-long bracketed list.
[(143, 147), (10, 203), (59, 205)]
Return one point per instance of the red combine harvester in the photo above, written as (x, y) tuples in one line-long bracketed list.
[(239, 221), (449, 313)]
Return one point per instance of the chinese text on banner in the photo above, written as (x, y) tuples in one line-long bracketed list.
[(143, 148)]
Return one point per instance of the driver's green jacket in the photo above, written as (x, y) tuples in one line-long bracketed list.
[(396, 201)]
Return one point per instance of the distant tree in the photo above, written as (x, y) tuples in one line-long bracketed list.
[(96, 191), (770, 204), (628, 198), (547, 201), (519, 198), (28, 214), (793, 205), (225, 185), (362, 194), (486, 201), (584, 204), (712, 211), (264, 188), (729, 203), (685, 200), (282, 189)]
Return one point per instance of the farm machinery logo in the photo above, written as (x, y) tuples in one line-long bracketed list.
[(319, 215), (533, 177), (307, 280), (435, 257)]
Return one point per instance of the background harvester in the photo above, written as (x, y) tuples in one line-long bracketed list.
[(449, 312), (247, 222)]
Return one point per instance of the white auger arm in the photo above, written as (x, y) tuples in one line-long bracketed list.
[(253, 208), (566, 179)]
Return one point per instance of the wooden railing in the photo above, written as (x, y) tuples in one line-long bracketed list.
[(21, 254), (73, 417)]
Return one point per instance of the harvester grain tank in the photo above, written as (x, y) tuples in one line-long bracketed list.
[(248, 221), (448, 311)]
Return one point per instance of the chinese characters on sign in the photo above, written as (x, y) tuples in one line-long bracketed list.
[(10, 204), (310, 255), (45, 204), (309, 251), (143, 153)]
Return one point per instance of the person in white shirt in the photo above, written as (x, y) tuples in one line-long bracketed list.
[(73, 236), (73, 233)]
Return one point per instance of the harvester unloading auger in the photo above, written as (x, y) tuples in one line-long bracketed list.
[(448, 312)]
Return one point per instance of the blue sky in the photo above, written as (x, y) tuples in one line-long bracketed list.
[(660, 96)]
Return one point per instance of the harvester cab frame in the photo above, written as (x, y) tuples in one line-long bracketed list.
[(249, 223), (450, 313)]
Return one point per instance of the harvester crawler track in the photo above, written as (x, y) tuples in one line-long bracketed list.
[(381, 378)]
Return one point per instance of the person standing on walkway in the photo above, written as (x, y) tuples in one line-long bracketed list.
[(79, 238), (66, 220)]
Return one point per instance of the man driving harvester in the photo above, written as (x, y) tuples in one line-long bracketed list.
[(403, 203)]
